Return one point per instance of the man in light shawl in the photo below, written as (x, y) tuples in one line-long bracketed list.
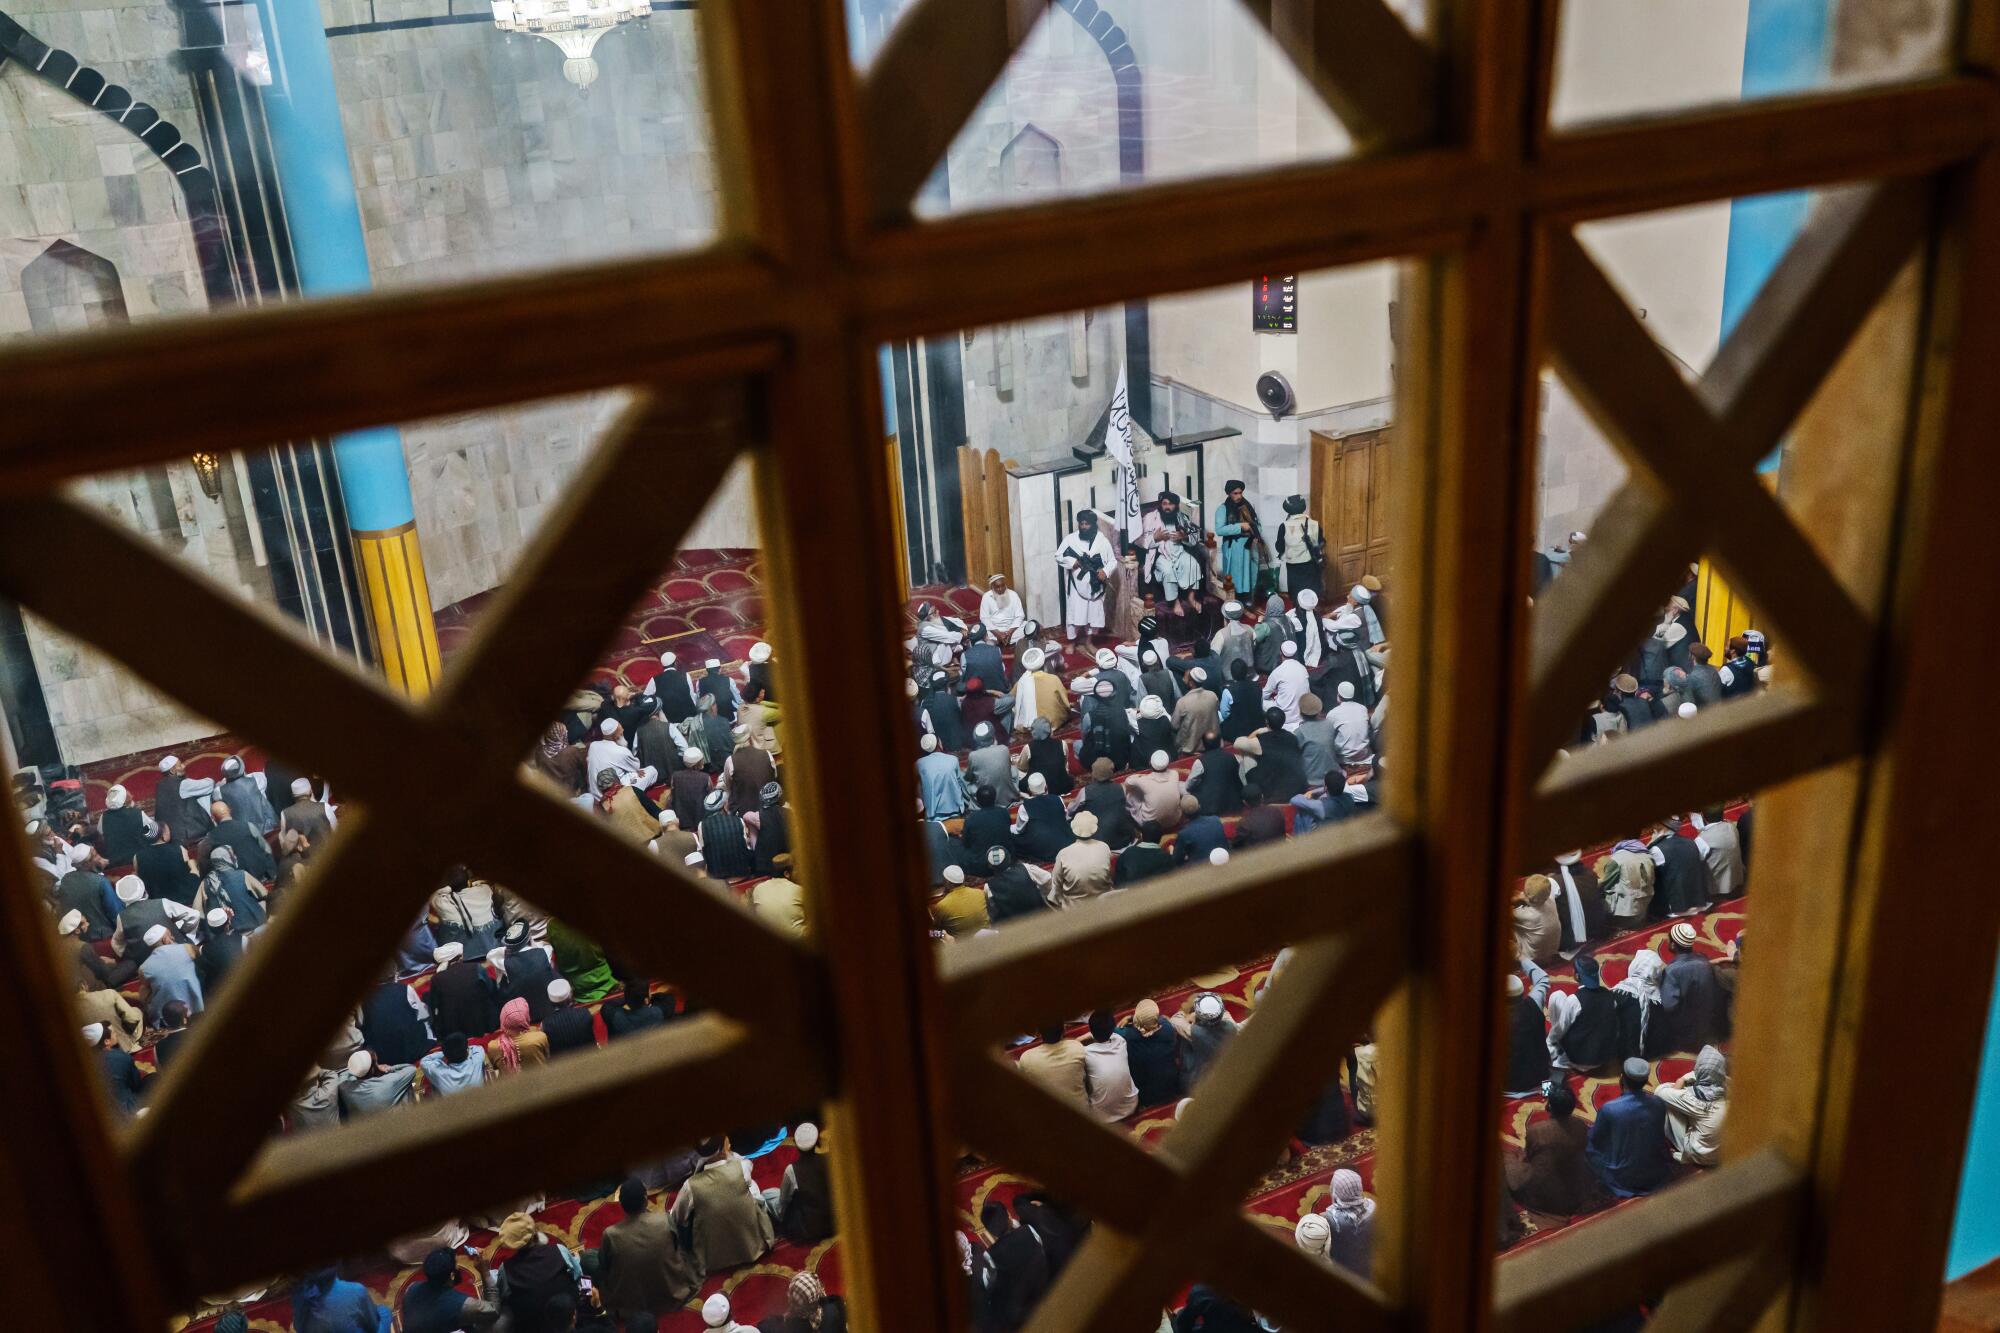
[(1696, 1104), (1627, 879), (1082, 870), (1156, 794), (1038, 694), (1287, 684), (1350, 1219), (1000, 610), (1641, 1030), (608, 753)]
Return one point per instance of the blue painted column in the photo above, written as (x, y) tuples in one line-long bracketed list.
[(1784, 51), (1975, 1240), (331, 255)]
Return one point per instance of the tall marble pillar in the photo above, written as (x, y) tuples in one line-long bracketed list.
[(331, 254)]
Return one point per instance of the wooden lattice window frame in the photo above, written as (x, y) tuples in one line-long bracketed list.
[(765, 343)]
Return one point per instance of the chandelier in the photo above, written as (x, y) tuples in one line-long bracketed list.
[(573, 25)]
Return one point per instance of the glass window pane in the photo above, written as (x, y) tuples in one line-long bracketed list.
[(1618, 58), (209, 154)]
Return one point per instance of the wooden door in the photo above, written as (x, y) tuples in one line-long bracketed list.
[(1351, 499)]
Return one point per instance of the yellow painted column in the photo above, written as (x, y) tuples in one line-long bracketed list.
[(399, 607)]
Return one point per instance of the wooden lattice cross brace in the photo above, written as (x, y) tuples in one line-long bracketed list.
[(1694, 488), (430, 785), (1166, 1215)]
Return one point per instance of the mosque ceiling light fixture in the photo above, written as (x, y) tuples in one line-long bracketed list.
[(573, 25)]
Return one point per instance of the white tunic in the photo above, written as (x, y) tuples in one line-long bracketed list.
[(1001, 612), (1083, 600), (1287, 683)]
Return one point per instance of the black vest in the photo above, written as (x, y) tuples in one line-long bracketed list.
[(1593, 1039), (1281, 769), (529, 973), (808, 1217), (1246, 710), (392, 1028), (1219, 789), (670, 687), (569, 1029), (1047, 758), (1527, 1046), (124, 834)]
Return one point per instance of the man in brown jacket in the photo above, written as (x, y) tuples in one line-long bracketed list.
[(1083, 869), (720, 1212), (1196, 713), (640, 1266)]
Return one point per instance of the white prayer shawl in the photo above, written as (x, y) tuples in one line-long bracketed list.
[(1563, 1009), (1285, 686), (1024, 699), (1309, 632), (939, 640), (1083, 601), (1572, 901), (1001, 612), (1128, 664)]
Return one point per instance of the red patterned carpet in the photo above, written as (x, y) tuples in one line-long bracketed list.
[(711, 605)]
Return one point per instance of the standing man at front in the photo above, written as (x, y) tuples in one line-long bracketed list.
[(1085, 559)]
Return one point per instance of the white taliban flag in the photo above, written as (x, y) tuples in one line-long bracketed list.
[(1118, 443)]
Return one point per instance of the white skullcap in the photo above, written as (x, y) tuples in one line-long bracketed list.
[(559, 991), (1514, 987), (1037, 784), (983, 732), (1208, 1006), (71, 922), (1288, 649), (1084, 825), (669, 819), (131, 888), (954, 875), (692, 858), (1106, 658), (1159, 761), (1219, 857), (1360, 594), (713, 664), (167, 763), (80, 853), (1687, 710), (447, 954), (740, 732), (1345, 689), (1199, 675), (156, 937), (302, 787), (93, 1033), (116, 798), (217, 918), (360, 1063), (1033, 659), (760, 651), (1232, 609), (715, 1311), (1308, 599), (928, 743), (1576, 536), (608, 726), (667, 659), (806, 1136), (692, 757)]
